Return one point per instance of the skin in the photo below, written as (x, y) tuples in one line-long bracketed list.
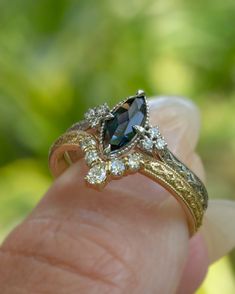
[(130, 238)]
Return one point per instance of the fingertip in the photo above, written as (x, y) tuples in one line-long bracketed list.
[(173, 100), (179, 122), (218, 228), (196, 266)]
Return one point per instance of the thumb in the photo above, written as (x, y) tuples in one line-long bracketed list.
[(130, 238)]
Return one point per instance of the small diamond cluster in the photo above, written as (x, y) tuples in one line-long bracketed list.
[(94, 116), (99, 169), (88, 145), (132, 163), (97, 172), (151, 139)]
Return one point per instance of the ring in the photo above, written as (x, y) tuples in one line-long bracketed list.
[(120, 141)]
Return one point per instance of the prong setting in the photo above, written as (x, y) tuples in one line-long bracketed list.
[(108, 116), (152, 140), (139, 130), (135, 140), (107, 151), (146, 152), (140, 93), (95, 116), (100, 158)]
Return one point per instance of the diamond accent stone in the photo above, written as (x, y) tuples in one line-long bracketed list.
[(95, 115), (90, 113), (102, 109), (160, 144), (151, 139), (97, 174), (147, 144), (117, 167), (91, 156), (154, 133), (87, 143), (91, 117), (134, 161)]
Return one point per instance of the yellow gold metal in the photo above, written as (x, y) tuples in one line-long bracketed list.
[(66, 150), (178, 186)]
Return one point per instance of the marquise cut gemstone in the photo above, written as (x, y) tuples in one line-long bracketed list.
[(119, 131)]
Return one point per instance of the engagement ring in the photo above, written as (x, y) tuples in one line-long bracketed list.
[(120, 141)]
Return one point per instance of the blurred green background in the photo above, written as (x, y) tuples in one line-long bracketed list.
[(59, 57)]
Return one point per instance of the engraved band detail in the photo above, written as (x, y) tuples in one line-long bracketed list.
[(67, 150), (119, 141)]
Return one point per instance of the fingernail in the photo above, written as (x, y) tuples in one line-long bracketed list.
[(179, 122), (218, 228)]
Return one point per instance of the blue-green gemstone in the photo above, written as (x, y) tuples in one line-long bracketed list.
[(119, 132)]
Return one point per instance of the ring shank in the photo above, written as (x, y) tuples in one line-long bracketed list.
[(66, 151)]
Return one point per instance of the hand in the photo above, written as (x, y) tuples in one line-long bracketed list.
[(130, 238)]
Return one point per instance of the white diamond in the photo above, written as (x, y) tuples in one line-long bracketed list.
[(134, 161), (95, 115), (160, 144), (91, 156), (147, 144), (90, 114), (97, 174), (102, 109), (87, 142), (95, 122), (154, 132), (117, 167)]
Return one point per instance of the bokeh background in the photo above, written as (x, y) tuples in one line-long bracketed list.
[(59, 57)]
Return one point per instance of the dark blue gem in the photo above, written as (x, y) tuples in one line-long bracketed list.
[(119, 132)]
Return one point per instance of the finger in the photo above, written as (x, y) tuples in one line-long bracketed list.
[(184, 123), (179, 121), (197, 262), (96, 242), (218, 228), (215, 239), (196, 266), (83, 240)]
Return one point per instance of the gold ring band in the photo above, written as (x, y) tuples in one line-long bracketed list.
[(66, 151), (146, 153)]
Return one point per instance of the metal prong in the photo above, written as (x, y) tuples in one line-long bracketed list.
[(139, 130), (108, 116), (107, 150), (140, 93)]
